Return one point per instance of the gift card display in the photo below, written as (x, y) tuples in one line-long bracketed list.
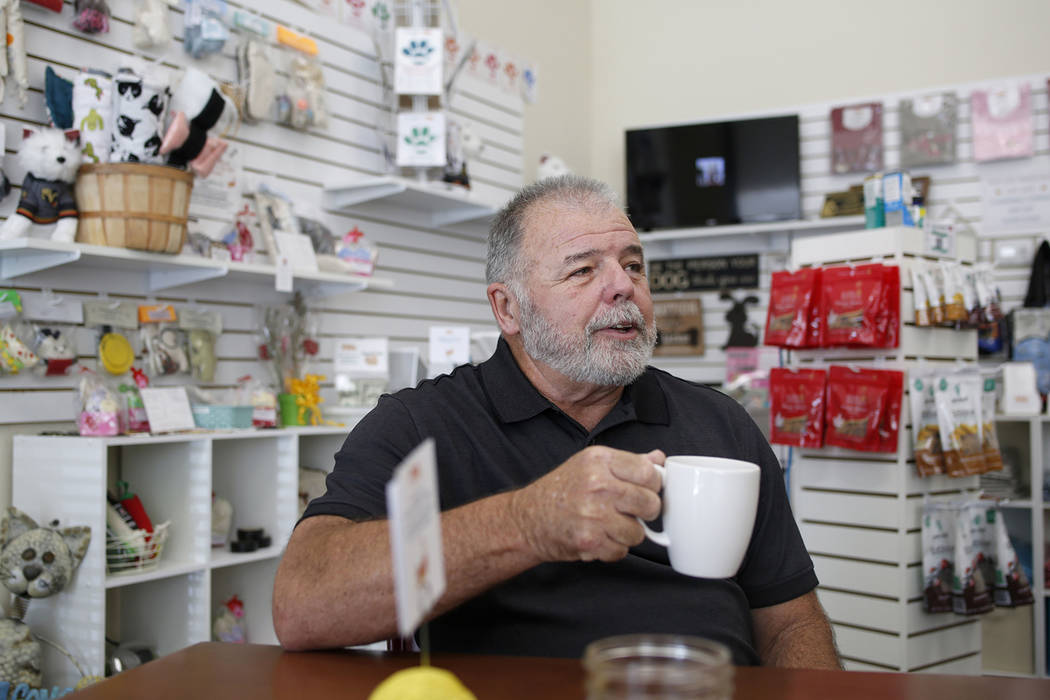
[(418, 60), (856, 138), (1002, 122), (421, 139), (928, 130)]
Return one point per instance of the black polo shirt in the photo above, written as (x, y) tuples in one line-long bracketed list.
[(494, 432)]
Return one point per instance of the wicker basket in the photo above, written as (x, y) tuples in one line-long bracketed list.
[(133, 205), (139, 553)]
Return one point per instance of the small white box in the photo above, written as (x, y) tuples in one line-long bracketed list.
[(1019, 395)]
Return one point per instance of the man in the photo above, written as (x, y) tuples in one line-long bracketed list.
[(545, 455)]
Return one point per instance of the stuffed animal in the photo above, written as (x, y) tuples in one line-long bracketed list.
[(35, 562), (197, 106), (51, 158)]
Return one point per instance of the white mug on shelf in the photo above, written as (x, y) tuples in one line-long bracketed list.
[(709, 511)]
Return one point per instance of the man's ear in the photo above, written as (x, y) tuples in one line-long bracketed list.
[(504, 308)]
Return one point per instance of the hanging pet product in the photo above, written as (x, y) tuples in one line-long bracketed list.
[(203, 30), (92, 16), (141, 105), (93, 114), (256, 76), (197, 106), (151, 24), (58, 96), (163, 343)]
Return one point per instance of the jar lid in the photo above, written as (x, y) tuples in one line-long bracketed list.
[(115, 352)]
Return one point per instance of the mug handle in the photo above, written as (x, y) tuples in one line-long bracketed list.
[(659, 538)]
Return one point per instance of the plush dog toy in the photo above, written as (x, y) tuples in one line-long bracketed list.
[(197, 106), (51, 158), (35, 562)]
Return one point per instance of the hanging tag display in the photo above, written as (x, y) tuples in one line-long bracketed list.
[(421, 139), (418, 60)]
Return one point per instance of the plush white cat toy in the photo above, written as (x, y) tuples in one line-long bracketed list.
[(50, 158)]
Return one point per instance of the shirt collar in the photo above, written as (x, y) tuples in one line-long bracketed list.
[(515, 398)]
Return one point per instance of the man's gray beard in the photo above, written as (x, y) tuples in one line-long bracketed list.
[(585, 359)]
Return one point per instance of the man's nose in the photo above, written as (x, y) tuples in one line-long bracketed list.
[(618, 285)]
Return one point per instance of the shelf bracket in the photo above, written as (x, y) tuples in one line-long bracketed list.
[(321, 290), (15, 263), (466, 212), (337, 198), (168, 277)]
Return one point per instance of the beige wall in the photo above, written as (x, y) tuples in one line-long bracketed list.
[(555, 35), (689, 60)]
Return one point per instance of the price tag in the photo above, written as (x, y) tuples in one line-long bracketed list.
[(283, 279), (415, 536), (168, 409)]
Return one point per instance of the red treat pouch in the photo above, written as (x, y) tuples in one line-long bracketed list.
[(890, 329), (850, 299), (797, 406), (889, 427), (856, 401), (790, 302)]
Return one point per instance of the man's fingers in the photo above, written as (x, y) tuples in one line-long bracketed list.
[(639, 469), (625, 531), (639, 501)]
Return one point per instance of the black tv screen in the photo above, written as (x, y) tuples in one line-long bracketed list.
[(714, 173)]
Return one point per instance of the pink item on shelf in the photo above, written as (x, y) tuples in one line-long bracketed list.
[(177, 133), (204, 163), (1002, 122), (98, 423)]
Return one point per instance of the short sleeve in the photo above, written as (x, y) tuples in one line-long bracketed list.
[(777, 568), (356, 487)]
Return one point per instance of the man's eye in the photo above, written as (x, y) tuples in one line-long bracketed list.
[(580, 272), (635, 267)]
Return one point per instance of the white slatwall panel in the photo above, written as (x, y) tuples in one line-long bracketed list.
[(957, 185), (437, 275)]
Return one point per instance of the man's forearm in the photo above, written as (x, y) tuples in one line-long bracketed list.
[(335, 586), (806, 644)]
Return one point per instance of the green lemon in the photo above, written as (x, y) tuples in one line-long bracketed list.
[(422, 683)]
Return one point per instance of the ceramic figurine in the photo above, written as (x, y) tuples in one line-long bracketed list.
[(35, 562)]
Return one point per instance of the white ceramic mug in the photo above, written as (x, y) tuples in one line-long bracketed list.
[(709, 512)]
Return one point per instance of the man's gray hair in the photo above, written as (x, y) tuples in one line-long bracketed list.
[(502, 263)]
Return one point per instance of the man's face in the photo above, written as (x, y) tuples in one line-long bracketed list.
[(586, 310)]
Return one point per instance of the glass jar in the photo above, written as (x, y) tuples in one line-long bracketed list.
[(657, 666)]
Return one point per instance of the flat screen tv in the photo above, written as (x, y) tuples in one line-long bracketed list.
[(714, 173)]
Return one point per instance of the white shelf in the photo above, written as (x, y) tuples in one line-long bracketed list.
[(155, 272), (794, 225), (257, 471), (409, 202), (164, 569), (772, 236), (223, 557)]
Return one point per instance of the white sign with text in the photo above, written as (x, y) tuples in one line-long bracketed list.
[(415, 536)]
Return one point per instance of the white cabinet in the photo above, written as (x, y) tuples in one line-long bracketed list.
[(1016, 640), (859, 511), (172, 605)]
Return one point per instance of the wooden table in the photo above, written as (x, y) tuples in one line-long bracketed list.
[(231, 671)]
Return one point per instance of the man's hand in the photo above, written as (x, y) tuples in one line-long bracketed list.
[(585, 509)]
